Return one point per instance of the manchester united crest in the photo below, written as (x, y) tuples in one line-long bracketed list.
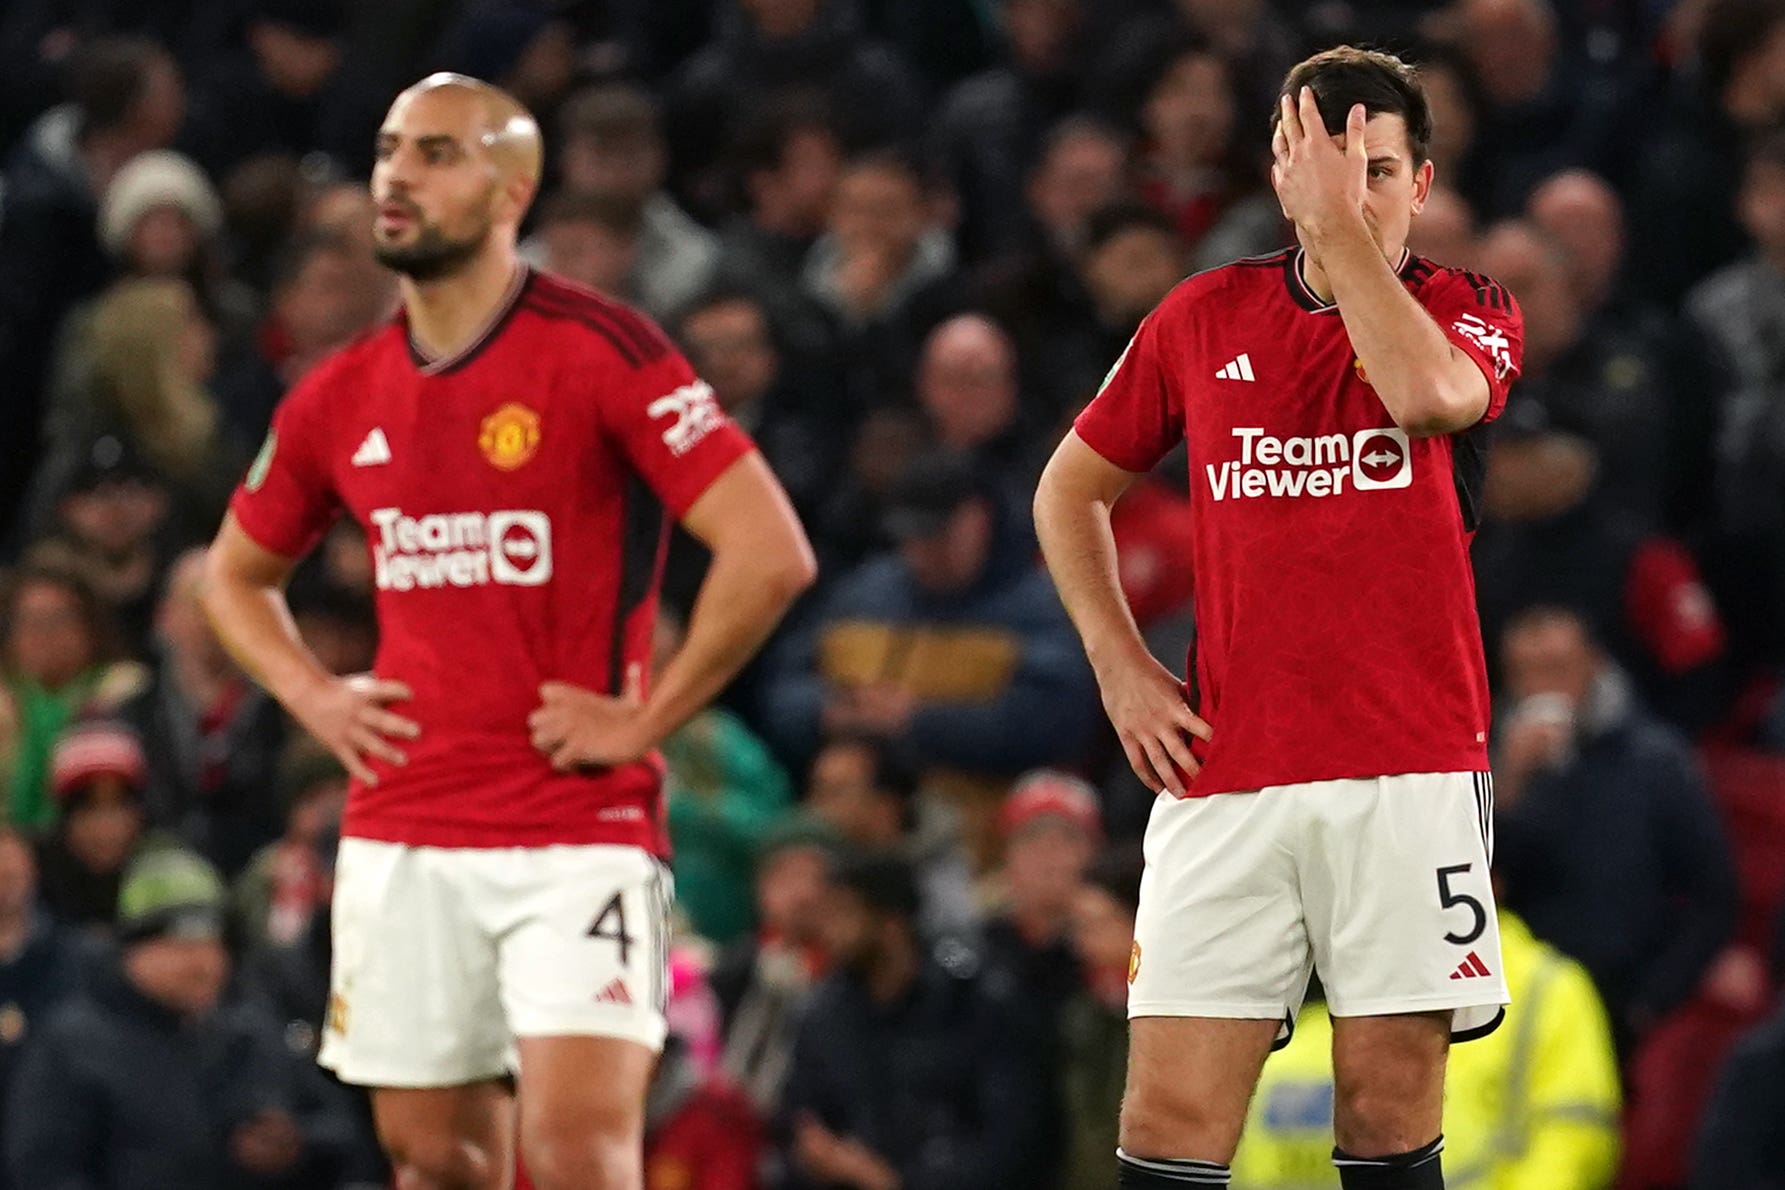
[(1134, 963), (509, 437), (1361, 374)]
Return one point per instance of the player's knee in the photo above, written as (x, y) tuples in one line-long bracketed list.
[(1371, 1120), (582, 1159), (441, 1163), (1170, 1123)]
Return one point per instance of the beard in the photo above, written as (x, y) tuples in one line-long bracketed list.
[(433, 255)]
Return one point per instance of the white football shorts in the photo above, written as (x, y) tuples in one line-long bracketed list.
[(443, 956), (1378, 884)]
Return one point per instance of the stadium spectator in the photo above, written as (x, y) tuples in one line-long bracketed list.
[(285, 887), (1093, 1033), (596, 240), (161, 217), (1683, 222), (765, 47), (1051, 828), (911, 1068), (725, 792), (287, 90), (60, 657), (217, 735), (41, 965), (1740, 1146), (153, 356), (1740, 309), (611, 145), (98, 776), (1548, 536), (955, 646), (126, 98), (109, 523), (1455, 97), (1577, 755), (880, 273), (1192, 165), (865, 790), (152, 1079), (968, 386), (762, 981), (528, 50), (1542, 110), (784, 160), (990, 126), (1252, 35), (1533, 1106)]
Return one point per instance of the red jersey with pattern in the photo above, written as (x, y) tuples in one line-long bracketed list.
[(1337, 633), (515, 500)]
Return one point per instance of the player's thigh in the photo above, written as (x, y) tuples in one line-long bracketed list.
[(1219, 930), (582, 1116), (448, 1135), (1190, 1080), (413, 982), (1388, 1081), (584, 948), (1398, 900)]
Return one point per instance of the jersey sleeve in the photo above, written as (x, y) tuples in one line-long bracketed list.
[(287, 500), (1482, 320), (668, 425), (1136, 418)]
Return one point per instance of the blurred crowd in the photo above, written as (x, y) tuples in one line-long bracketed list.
[(903, 240)]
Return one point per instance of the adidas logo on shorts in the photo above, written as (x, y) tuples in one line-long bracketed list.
[(614, 993), (1471, 968)]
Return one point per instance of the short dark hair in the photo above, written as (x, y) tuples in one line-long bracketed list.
[(769, 127), (884, 882), (97, 618), (1117, 871), (107, 78), (1347, 75), (1106, 223), (715, 296), (614, 114), (893, 159), (891, 771), (1731, 31), (621, 216), (1538, 614)]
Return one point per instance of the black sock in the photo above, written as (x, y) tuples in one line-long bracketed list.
[(1168, 1173), (1422, 1169)]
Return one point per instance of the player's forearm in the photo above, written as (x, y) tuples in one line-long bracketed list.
[(1426, 384), (748, 588), (1080, 548), (254, 623)]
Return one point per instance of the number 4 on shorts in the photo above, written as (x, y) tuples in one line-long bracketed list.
[(1451, 900), (616, 911)]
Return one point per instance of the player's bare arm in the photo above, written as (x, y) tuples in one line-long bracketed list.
[(244, 595), (1144, 700), (1324, 184), (761, 563)]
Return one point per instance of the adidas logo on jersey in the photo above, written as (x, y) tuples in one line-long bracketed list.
[(374, 451), (1239, 368), (1369, 460), (1471, 968), (614, 993)]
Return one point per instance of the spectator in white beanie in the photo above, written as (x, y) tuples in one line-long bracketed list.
[(158, 214)]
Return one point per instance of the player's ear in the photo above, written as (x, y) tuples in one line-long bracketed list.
[(1422, 184)]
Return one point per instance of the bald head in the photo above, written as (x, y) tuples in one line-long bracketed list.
[(505, 129), (967, 381), (1513, 46), (1583, 214), (1535, 268)]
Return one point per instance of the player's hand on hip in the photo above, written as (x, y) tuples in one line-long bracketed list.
[(351, 718), (1320, 186), (1146, 706), (579, 728)]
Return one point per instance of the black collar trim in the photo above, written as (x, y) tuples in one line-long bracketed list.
[(511, 301)]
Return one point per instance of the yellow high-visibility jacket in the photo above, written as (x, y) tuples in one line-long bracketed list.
[(1532, 1106)]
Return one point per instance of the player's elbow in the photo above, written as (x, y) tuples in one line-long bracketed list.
[(793, 569), (1439, 408)]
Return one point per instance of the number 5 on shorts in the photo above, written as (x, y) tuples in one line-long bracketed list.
[(617, 933), (1451, 900)]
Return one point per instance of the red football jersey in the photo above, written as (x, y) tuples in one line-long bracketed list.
[(515, 500), (1337, 634)]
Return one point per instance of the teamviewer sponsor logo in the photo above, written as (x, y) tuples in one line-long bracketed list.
[(1318, 465), (460, 549)]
